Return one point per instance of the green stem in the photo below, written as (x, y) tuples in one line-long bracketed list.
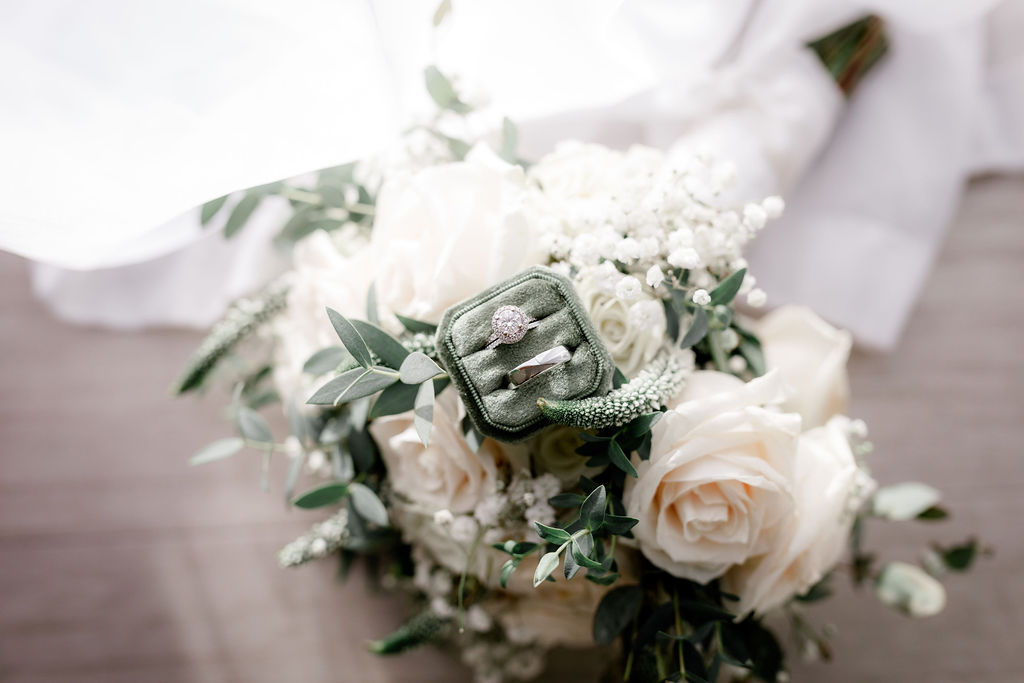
[(465, 573), (679, 631)]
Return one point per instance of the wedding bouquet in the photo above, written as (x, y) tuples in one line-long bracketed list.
[(534, 395)]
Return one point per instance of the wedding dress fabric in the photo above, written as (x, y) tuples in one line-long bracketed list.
[(124, 116)]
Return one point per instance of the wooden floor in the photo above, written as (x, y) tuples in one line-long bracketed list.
[(120, 563)]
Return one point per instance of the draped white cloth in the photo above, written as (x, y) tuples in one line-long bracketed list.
[(122, 116)]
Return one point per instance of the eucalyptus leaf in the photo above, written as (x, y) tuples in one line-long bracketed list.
[(252, 426), (394, 400), (727, 289), (292, 478), (592, 510), (356, 383), (617, 609), (642, 424), (241, 213), (327, 494), (418, 367), (570, 567), (350, 337), (547, 564), (423, 412), (507, 569), (325, 360), (698, 328), (581, 557), (620, 459), (210, 209), (619, 525), (474, 439), (566, 500), (367, 504), (363, 449), (509, 141), (388, 349), (218, 450), (905, 501), (416, 326), (551, 534), (910, 590), (372, 309), (439, 87)]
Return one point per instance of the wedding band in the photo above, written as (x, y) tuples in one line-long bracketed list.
[(508, 325), (537, 365)]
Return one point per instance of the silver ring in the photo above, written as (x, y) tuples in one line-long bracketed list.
[(538, 365), (508, 325)]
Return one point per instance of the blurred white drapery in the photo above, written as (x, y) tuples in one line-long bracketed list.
[(122, 116)]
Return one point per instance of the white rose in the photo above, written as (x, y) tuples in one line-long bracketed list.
[(827, 487), (444, 233), (716, 486), (323, 275), (632, 331), (447, 474), (811, 356)]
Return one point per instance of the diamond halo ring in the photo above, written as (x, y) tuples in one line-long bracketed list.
[(508, 325)]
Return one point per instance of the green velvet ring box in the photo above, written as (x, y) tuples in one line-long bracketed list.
[(480, 374)]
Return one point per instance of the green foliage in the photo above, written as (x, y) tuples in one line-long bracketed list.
[(617, 609), (350, 337), (218, 450), (415, 326), (353, 384), (959, 557), (418, 367), (326, 360), (697, 330), (252, 426), (326, 494), (385, 347), (443, 92), (727, 289), (367, 504)]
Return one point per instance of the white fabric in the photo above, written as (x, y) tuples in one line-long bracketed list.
[(126, 114)]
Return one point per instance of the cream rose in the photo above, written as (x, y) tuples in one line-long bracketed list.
[(827, 487), (811, 356), (633, 331), (717, 485), (447, 232), (447, 474)]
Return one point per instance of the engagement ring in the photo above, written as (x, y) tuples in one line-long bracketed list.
[(537, 365), (509, 324)]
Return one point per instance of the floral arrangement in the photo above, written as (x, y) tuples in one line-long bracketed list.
[(716, 483)]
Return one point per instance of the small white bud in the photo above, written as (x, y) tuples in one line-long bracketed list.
[(737, 364), (685, 257), (754, 216), (628, 288), (318, 547), (701, 297), (655, 276), (730, 340), (773, 206), (757, 297), (443, 517)]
